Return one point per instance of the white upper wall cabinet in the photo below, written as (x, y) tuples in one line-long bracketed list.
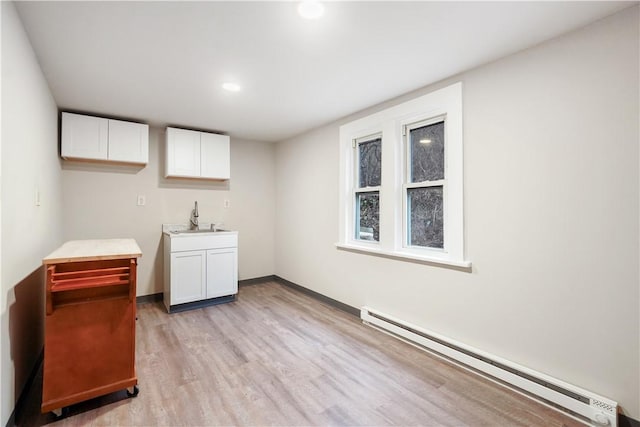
[(97, 138), (128, 142), (84, 137), (193, 154), (183, 153), (214, 156)]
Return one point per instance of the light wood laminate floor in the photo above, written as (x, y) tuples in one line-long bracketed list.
[(279, 357)]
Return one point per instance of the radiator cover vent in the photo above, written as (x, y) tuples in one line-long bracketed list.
[(604, 406)]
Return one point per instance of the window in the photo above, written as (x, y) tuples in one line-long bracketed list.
[(401, 181), (424, 184), (367, 191)]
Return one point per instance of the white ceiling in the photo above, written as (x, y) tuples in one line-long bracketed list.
[(164, 62)]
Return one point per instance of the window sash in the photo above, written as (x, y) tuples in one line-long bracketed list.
[(406, 222), (357, 231), (356, 160), (436, 183), (406, 133)]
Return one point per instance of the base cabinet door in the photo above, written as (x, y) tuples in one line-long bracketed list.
[(222, 273), (188, 272)]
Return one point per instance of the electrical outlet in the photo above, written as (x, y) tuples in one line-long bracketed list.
[(227, 203), (142, 200)]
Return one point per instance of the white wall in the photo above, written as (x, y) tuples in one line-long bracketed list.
[(551, 198), (29, 163), (551, 216), (100, 203)]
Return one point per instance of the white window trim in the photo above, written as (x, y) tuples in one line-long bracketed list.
[(390, 123)]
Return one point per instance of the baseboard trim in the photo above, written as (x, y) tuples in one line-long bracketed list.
[(15, 414), (318, 296), (149, 298), (257, 280), (202, 303), (624, 421), (246, 282)]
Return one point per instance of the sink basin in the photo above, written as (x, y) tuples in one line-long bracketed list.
[(217, 230)]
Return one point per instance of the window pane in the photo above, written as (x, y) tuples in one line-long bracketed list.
[(370, 162), (368, 220), (427, 153), (424, 209)]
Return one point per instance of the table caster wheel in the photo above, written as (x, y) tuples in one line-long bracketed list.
[(133, 391), (60, 412)]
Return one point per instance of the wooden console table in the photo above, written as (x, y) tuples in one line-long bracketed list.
[(90, 322)]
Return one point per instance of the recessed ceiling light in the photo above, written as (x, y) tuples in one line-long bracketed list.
[(231, 87), (310, 9), (425, 141)]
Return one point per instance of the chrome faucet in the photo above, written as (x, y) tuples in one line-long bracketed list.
[(194, 217)]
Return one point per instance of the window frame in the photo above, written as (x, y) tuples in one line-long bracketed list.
[(445, 102), (359, 190), (407, 184)]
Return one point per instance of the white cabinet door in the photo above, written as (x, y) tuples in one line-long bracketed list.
[(188, 276), (222, 272), (84, 137), (214, 156), (194, 154), (128, 142), (183, 153)]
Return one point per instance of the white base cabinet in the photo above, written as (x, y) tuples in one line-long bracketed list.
[(199, 267), (188, 276), (223, 278)]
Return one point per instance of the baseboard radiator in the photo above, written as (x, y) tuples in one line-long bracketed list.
[(581, 404)]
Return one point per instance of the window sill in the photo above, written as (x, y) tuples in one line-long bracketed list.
[(403, 256)]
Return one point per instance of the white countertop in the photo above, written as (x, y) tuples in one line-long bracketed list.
[(174, 230), (94, 250)]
